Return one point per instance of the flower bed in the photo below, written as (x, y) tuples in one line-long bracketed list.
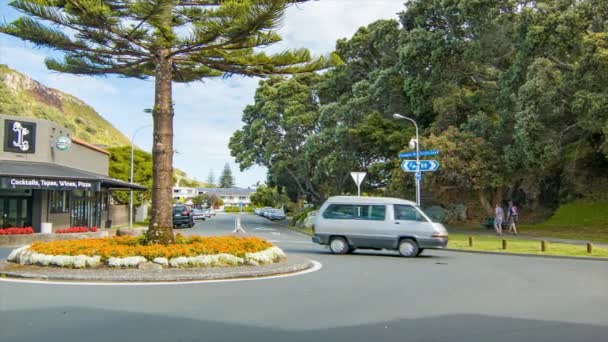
[(75, 230), (127, 251), (16, 231)]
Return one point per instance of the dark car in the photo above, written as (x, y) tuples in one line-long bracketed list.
[(182, 216)]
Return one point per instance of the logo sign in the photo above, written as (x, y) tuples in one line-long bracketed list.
[(426, 153), (19, 136), (50, 184), (425, 165), (63, 143), (418, 176), (358, 177)]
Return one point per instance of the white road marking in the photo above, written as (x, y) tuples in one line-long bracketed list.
[(316, 266), (265, 229)]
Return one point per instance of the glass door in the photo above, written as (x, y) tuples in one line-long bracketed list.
[(15, 212)]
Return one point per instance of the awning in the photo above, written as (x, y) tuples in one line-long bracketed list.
[(45, 176)]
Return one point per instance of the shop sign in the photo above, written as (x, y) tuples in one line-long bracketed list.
[(19, 136), (47, 184), (63, 143)]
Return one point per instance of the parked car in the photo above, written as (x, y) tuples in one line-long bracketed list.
[(198, 214), (276, 214), (182, 216), (346, 223), (257, 211)]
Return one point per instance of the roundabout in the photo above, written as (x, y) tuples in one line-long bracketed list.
[(439, 296)]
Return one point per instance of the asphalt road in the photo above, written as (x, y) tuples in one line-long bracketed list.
[(442, 296)]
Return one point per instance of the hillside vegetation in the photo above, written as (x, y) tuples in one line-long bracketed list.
[(22, 96)]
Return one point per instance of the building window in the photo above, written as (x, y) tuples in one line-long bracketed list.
[(242, 198), (59, 201), (176, 191)]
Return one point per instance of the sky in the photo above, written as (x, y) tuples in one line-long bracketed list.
[(206, 113)]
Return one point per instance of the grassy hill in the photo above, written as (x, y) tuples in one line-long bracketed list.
[(23, 96), (580, 220)]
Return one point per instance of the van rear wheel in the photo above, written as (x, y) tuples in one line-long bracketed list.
[(408, 248), (338, 245)]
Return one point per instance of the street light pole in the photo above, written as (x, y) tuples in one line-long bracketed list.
[(131, 176), (418, 194)]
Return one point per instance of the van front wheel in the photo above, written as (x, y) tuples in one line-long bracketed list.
[(338, 245), (408, 248)]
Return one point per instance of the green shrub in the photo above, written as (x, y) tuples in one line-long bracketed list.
[(238, 210)]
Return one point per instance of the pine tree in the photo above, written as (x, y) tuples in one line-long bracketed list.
[(170, 40), (226, 179), (211, 179)]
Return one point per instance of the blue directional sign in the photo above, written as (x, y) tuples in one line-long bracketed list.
[(426, 153), (425, 165), (418, 176)]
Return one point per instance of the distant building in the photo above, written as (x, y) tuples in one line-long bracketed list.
[(185, 193), (232, 197)]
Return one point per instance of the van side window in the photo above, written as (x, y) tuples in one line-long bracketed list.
[(355, 212), (407, 213)]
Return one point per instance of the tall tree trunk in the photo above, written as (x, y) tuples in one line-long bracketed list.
[(161, 222), (485, 203)]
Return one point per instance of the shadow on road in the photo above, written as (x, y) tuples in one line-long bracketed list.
[(84, 324)]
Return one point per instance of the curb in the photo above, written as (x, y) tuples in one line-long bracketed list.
[(294, 264), (528, 255), (297, 231)]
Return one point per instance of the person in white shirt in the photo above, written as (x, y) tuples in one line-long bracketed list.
[(499, 216)]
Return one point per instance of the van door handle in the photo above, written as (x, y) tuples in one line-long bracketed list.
[(397, 222)]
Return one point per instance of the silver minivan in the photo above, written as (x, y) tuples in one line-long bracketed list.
[(346, 223)]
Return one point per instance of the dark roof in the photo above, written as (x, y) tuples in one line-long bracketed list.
[(47, 170), (227, 191)]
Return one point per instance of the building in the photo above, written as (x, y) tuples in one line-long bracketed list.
[(232, 197), (46, 175), (185, 194)]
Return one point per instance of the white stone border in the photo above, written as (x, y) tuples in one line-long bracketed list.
[(316, 267), (25, 256)]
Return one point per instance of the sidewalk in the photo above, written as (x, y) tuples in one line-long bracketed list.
[(490, 232)]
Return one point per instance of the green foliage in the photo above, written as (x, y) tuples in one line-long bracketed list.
[(120, 168), (265, 196), (513, 93), (248, 209), (204, 39), (226, 180), (207, 199)]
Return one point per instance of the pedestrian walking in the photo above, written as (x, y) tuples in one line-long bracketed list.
[(513, 217), (499, 216)]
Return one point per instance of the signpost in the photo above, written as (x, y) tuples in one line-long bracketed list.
[(425, 165), (427, 153), (358, 178)]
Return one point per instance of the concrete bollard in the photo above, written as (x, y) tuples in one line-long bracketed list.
[(504, 244), (589, 247), (470, 241), (543, 246)]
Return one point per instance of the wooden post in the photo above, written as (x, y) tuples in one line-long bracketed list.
[(543, 246), (470, 241), (589, 247), (504, 244)]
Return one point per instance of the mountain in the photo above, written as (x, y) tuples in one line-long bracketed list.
[(22, 96)]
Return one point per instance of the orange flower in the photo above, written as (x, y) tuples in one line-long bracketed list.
[(125, 246)]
